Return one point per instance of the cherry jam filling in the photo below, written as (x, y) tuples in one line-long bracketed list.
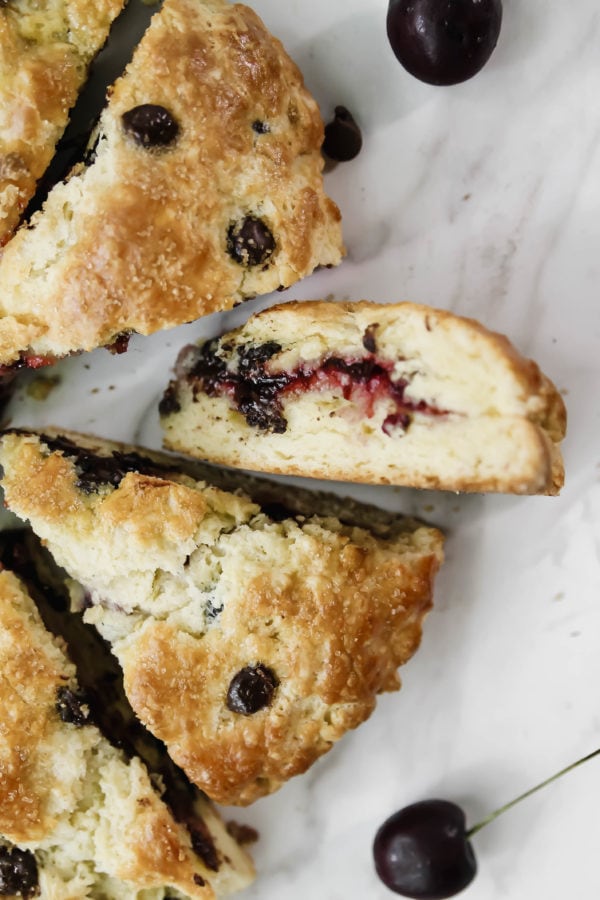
[(27, 361), (95, 471), (258, 393)]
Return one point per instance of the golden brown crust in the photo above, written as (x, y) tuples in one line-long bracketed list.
[(30, 679), (65, 791), (138, 241), (331, 609), (480, 416), (334, 644), (44, 56)]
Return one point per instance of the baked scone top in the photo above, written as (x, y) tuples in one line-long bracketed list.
[(250, 642), (91, 815), (390, 393), (45, 49), (206, 189)]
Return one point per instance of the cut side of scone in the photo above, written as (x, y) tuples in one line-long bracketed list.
[(90, 804), (383, 393), (254, 623), (204, 188), (45, 52)]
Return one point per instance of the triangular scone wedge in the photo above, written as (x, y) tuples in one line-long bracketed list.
[(45, 51), (389, 394), (79, 817), (252, 633), (206, 189)]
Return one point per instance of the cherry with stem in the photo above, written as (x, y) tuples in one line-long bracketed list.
[(423, 851)]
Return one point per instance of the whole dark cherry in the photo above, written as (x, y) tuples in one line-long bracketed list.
[(423, 851), (443, 41)]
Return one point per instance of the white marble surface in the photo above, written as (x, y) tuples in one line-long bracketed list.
[(482, 198)]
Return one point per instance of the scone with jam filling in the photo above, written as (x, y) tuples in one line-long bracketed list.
[(369, 392)]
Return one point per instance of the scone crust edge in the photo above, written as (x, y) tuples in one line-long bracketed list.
[(327, 686), (39, 82), (537, 411), (357, 617)]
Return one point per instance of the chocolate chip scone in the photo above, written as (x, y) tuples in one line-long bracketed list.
[(252, 633), (389, 394), (80, 814), (45, 51), (205, 189)]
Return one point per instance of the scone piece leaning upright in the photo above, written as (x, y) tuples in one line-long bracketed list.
[(252, 633), (383, 393), (45, 51), (205, 189), (79, 818)]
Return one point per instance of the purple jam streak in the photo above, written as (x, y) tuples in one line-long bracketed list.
[(258, 394)]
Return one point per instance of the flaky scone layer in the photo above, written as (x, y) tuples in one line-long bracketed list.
[(199, 589), (152, 235), (90, 816), (45, 50), (384, 393)]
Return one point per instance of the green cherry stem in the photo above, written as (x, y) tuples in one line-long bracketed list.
[(498, 812)]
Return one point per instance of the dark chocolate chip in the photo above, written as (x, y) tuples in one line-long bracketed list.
[(199, 880), (150, 125), (343, 140), (169, 403), (251, 689), (260, 127), (368, 340), (18, 872), (73, 706), (250, 242)]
